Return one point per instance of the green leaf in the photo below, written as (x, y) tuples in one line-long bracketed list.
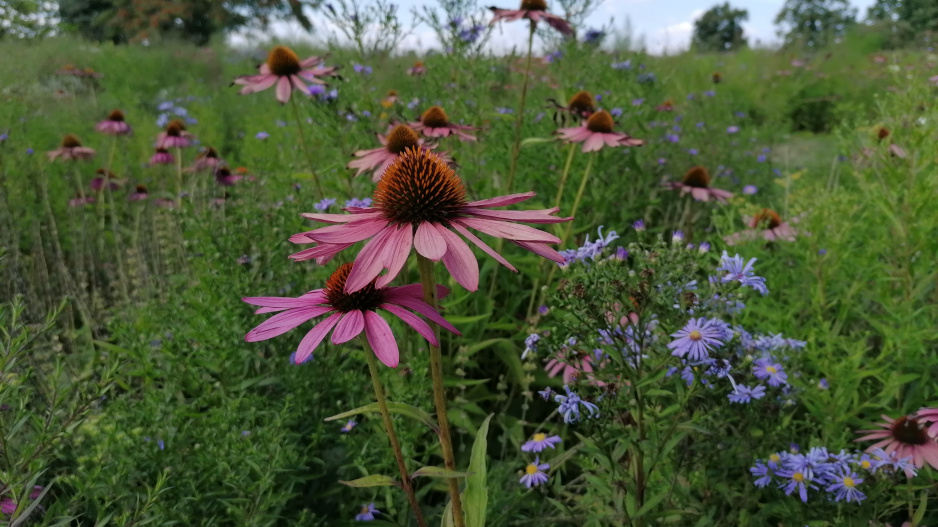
[(536, 141), (438, 472), (479, 346), (920, 513), (374, 480), (395, 408), (476, 495), (651, 504), (447, 520), (456, 321)]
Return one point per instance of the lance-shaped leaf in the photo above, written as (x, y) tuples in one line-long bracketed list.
[(438, 472), (374, 480), (395, 408)]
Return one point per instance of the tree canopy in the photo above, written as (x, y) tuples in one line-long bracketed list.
[(720, 29), (815, 22)]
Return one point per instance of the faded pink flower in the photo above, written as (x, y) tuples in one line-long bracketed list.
[(420, 202), (767, 225), (906, 436), (377, 160), (206, 160), (535, 11), (597, 132), (574, 365), (71, 149), (225, 178), (174, 136), (114, 124), (285, 69), (696, 182), (350, 313), (418, 69), (435, 123)]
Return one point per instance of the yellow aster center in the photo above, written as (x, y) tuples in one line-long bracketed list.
[(365, 510), (600, 122), (771, 369), (540, 437), (283, 61), (531, 469), (848, 482), (866, 464), (798, 476), (695, 335), (775, 458)]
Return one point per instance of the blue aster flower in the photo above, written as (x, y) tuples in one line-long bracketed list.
[(796, 480), (534, 473), (762, 473), (530, 345), (539, 442), (697, 338), (735, 270), (744, 394), (570, 406), (367, 513), (768, 369), (845, 487), (325, 204)]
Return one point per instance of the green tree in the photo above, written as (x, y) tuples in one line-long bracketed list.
[(815, 22), (920, 16), (193, 20), (720, 29)]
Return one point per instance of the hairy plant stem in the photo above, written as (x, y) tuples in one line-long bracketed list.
[(309, 158), (179, 176), (428, 279), (392, 435), (579, 197), (565, 175), (516, 147)]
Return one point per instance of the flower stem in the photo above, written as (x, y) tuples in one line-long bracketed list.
[(309, 159), (392, 435), (516, 147), (428, 279), (118, 246), (179, 176), (579, 197), (566, 173)]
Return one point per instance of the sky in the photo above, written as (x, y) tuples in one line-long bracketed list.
[(666, 25)]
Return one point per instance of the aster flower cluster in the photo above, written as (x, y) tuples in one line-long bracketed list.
[(592, 250), (535, 472), (175, 109), (838, 475)]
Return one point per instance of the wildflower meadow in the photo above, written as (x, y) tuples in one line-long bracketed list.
[(575, 283)]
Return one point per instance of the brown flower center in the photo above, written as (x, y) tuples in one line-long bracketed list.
[(175, 128), (70, 141), (533, 5), (162, 151), (208, 153), (222, 173), (434, 117), (366, 298), (283, 61), (116, 115), (420, 187), (883, 133), (769, 218), (600, 122), (106, 173), (392, 93), (697, 177), (418, 64), (141, 189), (908, 431), (717, 78), (582, 103), (401, 138)]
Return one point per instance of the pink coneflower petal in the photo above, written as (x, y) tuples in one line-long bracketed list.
[(413, 321), (482, 245), (279, 302), (502, 201), (349, 327), (429, 242), (514, 231), (459, 261), (283, 322), (381, 339), (315, 337), (259, 83), (283, 89), (350, 233), (418, 305)]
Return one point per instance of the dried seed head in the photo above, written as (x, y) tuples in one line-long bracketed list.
[(401, 138), (600, 122), (697, 177), (419, 187), (367, 298), (283, 61)]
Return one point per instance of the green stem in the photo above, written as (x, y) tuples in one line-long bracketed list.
[(118, 246), (392, 435), (179, 176), (428, 279), (565, 175), (516, 148), (579, 197), (309, 159)]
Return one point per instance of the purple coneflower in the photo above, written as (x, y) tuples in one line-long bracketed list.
[(399, 139), (350, 313), (598, 132), (98, 183), (162, 157), (580, 106), (696, 182), (114, 124), (140, 193), (174, 136), (71, 149), (417, 70), (435, 123), (225, 178), (535, 11), (285, 69), (207, 159), (907, 437)]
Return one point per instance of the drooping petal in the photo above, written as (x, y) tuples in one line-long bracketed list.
[(501, 201), (299, 84), (348, 233), (308, 300), (283, 322), (511, 231), (482, 245), (413, 321), (460, 262), (416, 291), (350, 327), (381, 339), (400, 244), (315, 337), (283, 90), (321, 253), (428, 242), (593, 142), (526, 216), (342, 218), (421, 307), (541, 250), (370, 260)]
